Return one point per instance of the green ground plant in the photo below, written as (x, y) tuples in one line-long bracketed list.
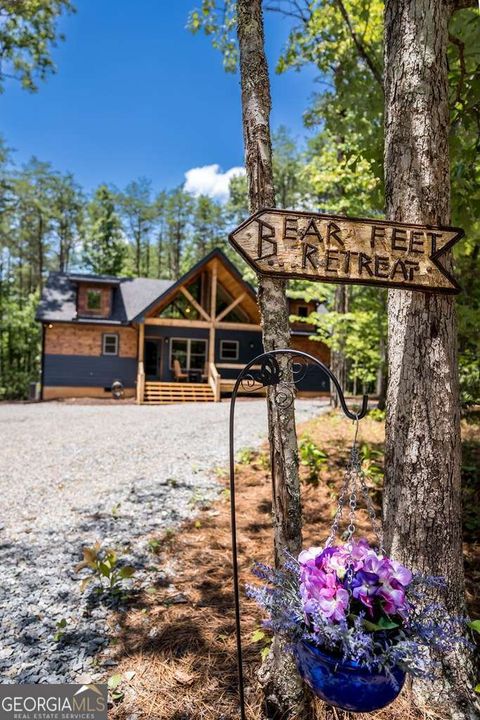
[(313, 458), (106, 570)]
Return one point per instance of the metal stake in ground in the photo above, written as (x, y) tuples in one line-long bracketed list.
[(284, 377)]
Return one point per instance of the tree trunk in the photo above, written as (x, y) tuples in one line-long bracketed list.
[(338, 359), (422, 502), (283, 689)]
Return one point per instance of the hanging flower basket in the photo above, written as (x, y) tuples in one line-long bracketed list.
[(345, 683), (356, 620)]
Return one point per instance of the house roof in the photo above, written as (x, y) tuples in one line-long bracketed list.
[(216, 253), (58, 301), (132, 299)]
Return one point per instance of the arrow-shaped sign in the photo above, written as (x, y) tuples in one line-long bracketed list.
[(331, 248)]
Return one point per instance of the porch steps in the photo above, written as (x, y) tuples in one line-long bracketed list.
[(162, 393)]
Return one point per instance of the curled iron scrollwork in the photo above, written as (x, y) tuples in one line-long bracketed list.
[(284, 376), (266, 375)]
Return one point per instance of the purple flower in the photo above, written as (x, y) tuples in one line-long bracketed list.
[(365, 586), (394, 600), (400, 573), (334, 559), (359, 550)]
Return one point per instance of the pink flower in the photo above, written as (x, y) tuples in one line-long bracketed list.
[(308, 557), (321, 589), (321, 592), (334, 559)]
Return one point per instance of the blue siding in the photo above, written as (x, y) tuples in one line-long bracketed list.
[(88, 371), (249, 346), (315, 380)]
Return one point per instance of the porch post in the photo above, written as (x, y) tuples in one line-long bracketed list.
[(140, 369), (213, 313)]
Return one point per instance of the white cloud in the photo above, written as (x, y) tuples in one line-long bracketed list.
[(210, 180)]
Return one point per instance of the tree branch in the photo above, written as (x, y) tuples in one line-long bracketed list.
[(463, 68), (302, 13), (359, 45), (463, 4)]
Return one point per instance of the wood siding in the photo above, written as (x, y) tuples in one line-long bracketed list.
[(73, 339), (318, 349), (105, 309)]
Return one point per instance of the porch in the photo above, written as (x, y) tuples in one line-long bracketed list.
[(193, 342)]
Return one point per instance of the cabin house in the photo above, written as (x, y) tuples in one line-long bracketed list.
[(159, 340)]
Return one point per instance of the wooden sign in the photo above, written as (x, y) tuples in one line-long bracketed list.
[(331, 248)]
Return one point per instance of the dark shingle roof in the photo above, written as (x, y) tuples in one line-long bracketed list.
[(130, 297), (58, 301)]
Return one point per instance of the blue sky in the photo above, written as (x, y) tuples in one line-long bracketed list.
[(137, 95)]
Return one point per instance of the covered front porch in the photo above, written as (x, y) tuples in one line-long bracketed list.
[(195, 340)]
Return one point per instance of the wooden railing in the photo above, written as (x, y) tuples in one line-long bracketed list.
[(214, 380), (140, 383)]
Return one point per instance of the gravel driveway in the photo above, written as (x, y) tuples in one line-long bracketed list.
[(74, 474)]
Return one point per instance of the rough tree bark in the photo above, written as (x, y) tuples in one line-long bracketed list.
[(422, 502), (283, 689)]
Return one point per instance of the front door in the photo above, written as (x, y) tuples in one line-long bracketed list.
[(152, 359)]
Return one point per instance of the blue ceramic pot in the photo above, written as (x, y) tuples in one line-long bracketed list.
[(346, 684)]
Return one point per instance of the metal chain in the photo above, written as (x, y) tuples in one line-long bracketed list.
[(376, 525), (354, 477), (339, 513)]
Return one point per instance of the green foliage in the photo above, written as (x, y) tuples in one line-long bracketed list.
[(28, 32), (116, 683), (372, 463), (342, 166), (245, 456), (474, 625), (377, 415), (20, 338), (60, 625), (312, 457), (104, 248), (359, 333), (259, 636), (218, 24), (105, 568), (471, 487)]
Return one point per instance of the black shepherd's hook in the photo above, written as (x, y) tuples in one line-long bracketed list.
[(250, 378)]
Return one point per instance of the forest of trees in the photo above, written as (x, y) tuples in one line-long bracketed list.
[(48, 222)]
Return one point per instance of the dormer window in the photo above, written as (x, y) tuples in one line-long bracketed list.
[(94, 299)]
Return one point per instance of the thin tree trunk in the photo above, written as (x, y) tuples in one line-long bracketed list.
[(422, 503), (283, 689), (338, 360), (40, 251)]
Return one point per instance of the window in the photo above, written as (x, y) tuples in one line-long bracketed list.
[(302, 311), (180, 307), (224, 299), (190, 353), (94, 299), (229, 349), (110, 344)]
